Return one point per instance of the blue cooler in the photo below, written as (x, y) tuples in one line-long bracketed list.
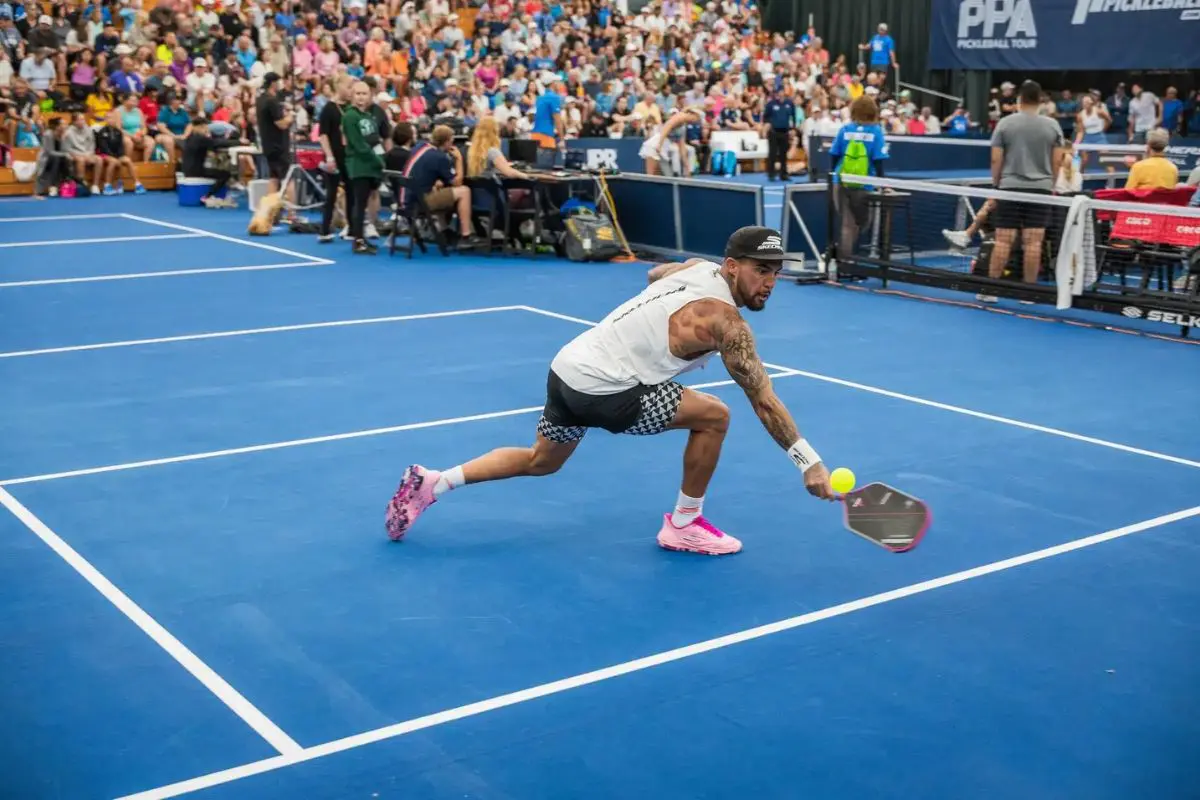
[(191, 190)]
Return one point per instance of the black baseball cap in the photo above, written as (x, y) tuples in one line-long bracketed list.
[(756, 242)]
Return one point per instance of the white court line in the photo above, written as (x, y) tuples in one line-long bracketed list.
[(1187, 462), (336, 437), (163, 638), (223, 237), (54, 217), (816, 376), (191, 337), (618, 670), (104, 239), (165, 274)]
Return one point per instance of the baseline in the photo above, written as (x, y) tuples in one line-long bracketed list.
[(164, 274), (816, 376), (103, 239), (59, 217), (191, 337), (221, 688), (637, 665)]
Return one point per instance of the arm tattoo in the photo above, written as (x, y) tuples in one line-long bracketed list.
[(736, 343)]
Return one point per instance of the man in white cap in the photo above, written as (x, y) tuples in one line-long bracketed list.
[(549, 126), (883, 51)]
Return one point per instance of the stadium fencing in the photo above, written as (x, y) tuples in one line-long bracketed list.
[(1135, 254)]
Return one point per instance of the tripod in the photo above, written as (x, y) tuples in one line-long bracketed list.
[(296, 175)]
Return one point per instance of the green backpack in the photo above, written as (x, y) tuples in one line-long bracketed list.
[(856, 161)]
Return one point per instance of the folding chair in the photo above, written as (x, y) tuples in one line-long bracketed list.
[(488, 202), (412, 211)]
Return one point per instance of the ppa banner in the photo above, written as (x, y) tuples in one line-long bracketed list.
[(1065, 34)]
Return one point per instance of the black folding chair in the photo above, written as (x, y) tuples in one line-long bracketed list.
[(413, 213), (490, 203)]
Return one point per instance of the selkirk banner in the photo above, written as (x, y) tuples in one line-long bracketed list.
[(1065, 34)]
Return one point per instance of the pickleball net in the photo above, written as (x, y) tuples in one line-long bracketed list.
[(1126, 252)]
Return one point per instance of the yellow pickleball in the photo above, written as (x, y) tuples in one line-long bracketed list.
[(842, 480)]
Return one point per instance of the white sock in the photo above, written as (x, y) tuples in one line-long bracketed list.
[(686, 510), (450, 479)]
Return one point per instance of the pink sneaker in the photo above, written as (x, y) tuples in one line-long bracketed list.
[(414, 496), (699, 536)]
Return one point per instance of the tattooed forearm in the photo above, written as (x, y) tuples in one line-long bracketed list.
[(736, 344), (776, 419)]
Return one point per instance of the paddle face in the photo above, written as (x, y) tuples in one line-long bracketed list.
[(886, 516)]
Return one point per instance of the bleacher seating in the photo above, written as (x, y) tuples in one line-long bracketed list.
[(154, 175)]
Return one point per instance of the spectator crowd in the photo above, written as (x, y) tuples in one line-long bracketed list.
[(100, 85)]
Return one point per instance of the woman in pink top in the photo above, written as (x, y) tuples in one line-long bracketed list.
[(83, 77), (487, 73), (302, 58), (326, 61)]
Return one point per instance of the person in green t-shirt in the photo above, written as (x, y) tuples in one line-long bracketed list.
[(364, 162)]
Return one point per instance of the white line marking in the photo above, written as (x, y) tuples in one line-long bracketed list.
[(54, 217), (163, 638), (129, 276), (816, 376), (223, 237), (1016, 423), (104, 239), (617, 670), (191, 337), (336, 437)]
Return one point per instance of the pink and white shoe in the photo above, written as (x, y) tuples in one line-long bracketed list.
[(414, 496), (698, 536)]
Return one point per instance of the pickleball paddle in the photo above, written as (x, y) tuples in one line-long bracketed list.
[(886, 516)]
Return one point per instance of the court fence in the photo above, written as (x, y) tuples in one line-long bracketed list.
[(1131, 253)]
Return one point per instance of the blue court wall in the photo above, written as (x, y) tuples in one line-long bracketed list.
[(942, 154), (693, 216)]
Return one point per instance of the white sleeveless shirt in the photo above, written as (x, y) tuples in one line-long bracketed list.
[(1093, 122), (632, 344)]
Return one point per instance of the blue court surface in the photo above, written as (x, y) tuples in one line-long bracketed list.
[(199, 436)]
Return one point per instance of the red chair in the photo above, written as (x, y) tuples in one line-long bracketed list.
[(1154, 241)]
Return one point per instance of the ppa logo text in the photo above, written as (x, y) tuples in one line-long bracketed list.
[(996, 25)]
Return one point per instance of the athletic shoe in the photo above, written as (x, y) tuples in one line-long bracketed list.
[(958, 238), (414, 496), (698, 536)]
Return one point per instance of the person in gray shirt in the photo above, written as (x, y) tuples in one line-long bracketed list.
[(1027, 150)]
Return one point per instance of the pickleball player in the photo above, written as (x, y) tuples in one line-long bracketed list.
[(619, 376)]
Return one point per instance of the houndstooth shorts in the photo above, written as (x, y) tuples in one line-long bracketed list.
[(639, 411)]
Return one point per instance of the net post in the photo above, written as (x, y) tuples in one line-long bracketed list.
[(832, 256)]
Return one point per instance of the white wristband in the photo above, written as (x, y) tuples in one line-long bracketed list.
[(803, 455)]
